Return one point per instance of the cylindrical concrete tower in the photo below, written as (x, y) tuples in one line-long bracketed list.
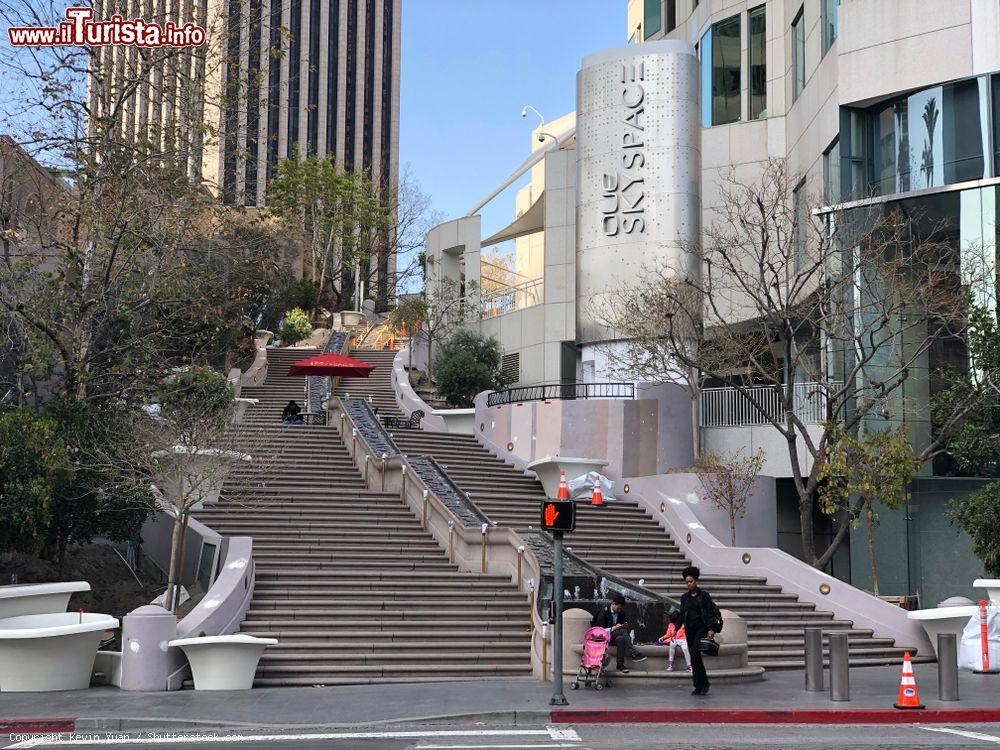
[(639, 185)]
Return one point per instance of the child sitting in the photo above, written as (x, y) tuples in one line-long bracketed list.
[(675, 636)]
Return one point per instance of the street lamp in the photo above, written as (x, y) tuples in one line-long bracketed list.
[(541, 122)]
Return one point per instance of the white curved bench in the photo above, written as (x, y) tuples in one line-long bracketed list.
[(54, 651), (943, 620), (38, 598), (223, 662)]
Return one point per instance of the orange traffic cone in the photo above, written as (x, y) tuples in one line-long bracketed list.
[(563, 493), (597, 498), (908, 695)]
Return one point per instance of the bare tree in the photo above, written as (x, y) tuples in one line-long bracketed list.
[(847, 304), (728, 481)]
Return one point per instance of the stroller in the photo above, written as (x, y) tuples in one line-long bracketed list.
[(594, 660)]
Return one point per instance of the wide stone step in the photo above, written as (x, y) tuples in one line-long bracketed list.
[(346, 675), (380, 600), (499, 616), (427, 627), (348, 656)]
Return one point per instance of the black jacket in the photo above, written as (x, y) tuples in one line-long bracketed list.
[(605, 618), (695, 608)]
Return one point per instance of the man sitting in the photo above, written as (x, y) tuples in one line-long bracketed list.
[(612, 619), (291, 414)]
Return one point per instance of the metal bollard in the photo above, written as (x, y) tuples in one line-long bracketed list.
[(451, 542), (840, 668), (366, 470), (423, 519), (520, 558), (947, 655), (384, 457), (814, 660), (545, 652), (485, 531), (402, 487)]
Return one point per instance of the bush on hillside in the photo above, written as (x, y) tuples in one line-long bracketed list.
[(978, 515), (467, 364), (199, 393), (295, 327)]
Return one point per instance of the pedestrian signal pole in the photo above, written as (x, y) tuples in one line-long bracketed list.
[(558, 517)]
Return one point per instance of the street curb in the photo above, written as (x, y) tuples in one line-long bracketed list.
[(164, 724), (767, 716), (36, 726)]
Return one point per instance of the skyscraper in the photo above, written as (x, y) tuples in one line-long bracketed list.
[(312, 77), (275, 78)]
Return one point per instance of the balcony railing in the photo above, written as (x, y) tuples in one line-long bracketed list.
[(510, 298), (561, 391), (729, 407)]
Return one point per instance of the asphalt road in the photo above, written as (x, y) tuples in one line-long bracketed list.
[(581, 737)]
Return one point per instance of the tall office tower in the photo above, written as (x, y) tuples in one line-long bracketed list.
[(312, 77), (275, 78)]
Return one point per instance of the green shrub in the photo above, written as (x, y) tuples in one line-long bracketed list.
[(299, 293), (979, 517), (199, 393), (34, 463), (295, 327), (467, 364)]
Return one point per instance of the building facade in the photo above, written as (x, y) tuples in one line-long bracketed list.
[(275, 79), (842, 92)]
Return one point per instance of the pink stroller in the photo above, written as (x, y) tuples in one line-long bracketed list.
[(594, 660)]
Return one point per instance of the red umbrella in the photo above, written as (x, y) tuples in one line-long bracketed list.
[(333, 365)]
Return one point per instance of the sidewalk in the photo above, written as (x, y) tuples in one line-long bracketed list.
[(502, 701)]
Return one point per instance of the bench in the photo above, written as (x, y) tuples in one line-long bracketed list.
[(410, 423), (223, 662)]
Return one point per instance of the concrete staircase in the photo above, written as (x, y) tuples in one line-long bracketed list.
[(345, 578), (620, 538)]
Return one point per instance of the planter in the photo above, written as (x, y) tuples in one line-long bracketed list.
[(992, 586), (38, 598), (457, 421), (203, 468), (351, 317), (943, 620), (223, 662), (548, 470), (51, 651)]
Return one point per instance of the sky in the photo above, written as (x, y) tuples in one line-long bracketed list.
[(468, 68)]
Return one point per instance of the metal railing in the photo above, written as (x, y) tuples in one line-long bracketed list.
[(506, 300), (561, 391), (729, 407)]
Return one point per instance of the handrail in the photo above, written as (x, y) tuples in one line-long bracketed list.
[(561, 392), (464, 502), (730, 407)]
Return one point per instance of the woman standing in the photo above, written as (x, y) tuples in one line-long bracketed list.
[(700, 619)]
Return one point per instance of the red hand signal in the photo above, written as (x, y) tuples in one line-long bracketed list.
[(551, 514)]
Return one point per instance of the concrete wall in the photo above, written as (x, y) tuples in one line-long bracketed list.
[(632, 435), (765, 438), (918, 550)]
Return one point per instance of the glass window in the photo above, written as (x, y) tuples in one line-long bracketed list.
[(859, 153), (671, 8), (651, 17), (831, 174), (800, 229), (726, 61), (931, 138), (798, 54), (829, 23), (758, 63), (704, 56), (996, 124), (720, 73)]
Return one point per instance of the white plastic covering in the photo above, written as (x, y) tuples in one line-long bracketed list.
[(583, 486)]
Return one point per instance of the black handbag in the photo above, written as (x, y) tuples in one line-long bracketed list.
[(709, 646)]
